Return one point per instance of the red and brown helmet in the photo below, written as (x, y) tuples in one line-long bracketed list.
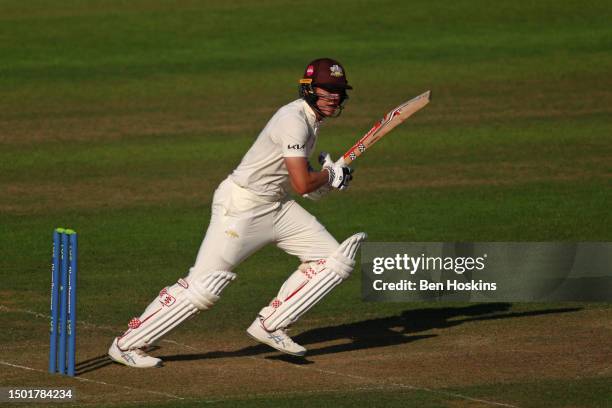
[(324, 73)]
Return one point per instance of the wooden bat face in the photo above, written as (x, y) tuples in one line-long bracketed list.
[(385, 125)]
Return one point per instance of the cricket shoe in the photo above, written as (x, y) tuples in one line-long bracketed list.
[(132, 358), (277, 339)]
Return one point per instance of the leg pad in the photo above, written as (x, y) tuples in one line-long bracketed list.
[(174, 305), (309, 284)]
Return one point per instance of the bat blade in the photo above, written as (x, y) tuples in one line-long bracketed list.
[(392, 119)]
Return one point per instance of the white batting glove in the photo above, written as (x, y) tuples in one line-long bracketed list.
[(339, 174), (325, 159)]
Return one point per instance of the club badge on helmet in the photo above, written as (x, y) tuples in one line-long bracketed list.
[(327, 74)]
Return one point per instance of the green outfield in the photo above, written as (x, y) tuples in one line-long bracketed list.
[(118, 119)]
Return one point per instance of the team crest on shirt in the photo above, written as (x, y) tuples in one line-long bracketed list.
[(336, 71)]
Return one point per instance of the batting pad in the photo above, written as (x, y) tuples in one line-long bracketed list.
[(309, 284), (174, 305)]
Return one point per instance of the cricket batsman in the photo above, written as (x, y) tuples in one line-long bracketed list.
[(252, 208)]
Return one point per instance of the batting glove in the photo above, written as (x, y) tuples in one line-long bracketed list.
[(339, 174)]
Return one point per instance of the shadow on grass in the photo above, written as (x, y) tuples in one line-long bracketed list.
[(380, 332), (92, 364), (95, 363)]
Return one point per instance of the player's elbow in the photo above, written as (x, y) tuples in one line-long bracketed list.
[(300, 188), (300, 185)]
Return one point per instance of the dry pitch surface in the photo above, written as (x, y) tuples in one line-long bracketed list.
[(440, 355)]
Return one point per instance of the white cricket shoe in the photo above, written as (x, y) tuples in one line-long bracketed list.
[(277, 339), (132, 358)]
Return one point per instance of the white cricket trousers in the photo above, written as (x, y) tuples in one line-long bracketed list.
[(241, 223)]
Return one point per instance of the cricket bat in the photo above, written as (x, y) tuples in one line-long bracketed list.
[(385, 125)]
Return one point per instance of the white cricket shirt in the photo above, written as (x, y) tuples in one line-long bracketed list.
[(291, 132)]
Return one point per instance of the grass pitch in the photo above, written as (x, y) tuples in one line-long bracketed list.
[(119, 119)]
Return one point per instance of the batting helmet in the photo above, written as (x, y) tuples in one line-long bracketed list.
[(328, 74)]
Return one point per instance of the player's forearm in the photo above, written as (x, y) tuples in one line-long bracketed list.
[(311, 182)]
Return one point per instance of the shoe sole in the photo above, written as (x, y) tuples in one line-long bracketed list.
[(274, 347)]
